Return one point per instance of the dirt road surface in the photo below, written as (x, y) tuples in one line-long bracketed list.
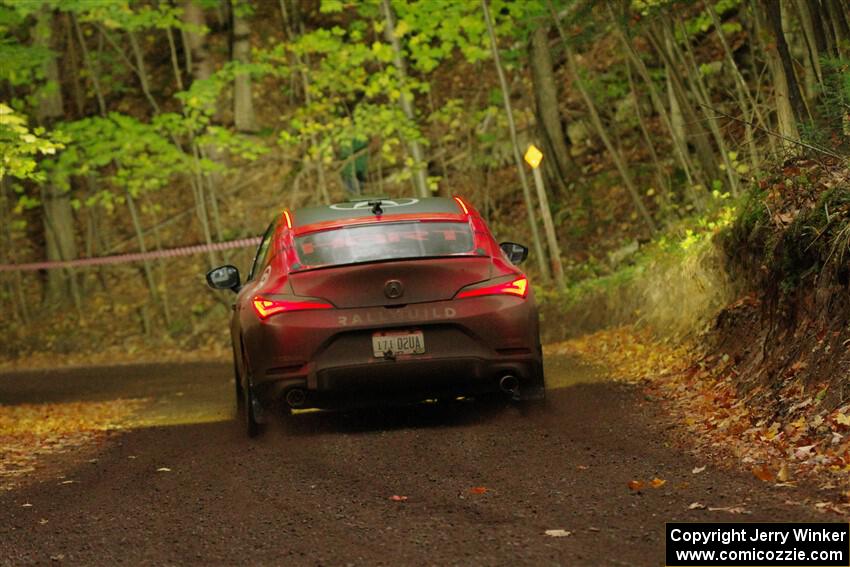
[(317, 490)]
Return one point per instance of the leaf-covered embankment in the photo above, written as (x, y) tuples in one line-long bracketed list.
[(764, 385)]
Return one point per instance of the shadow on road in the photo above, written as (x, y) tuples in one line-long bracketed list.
[(379, 418)]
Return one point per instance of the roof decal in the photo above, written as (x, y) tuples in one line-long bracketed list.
[(385, 204)]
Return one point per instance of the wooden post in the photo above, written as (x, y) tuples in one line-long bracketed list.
[(534, 157), (526, 191)]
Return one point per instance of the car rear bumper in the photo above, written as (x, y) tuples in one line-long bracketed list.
[(470, 345), (411, 380)]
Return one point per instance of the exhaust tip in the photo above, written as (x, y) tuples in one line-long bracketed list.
[(295, 397), (509, 384)]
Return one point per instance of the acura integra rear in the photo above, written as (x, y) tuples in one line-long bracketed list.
[(378, 300)]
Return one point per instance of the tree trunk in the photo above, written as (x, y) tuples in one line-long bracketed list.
[(840, 27), (197, 47), (542, 264), (673, 58), (661, 178), (420, 179), (774, 16), (56, 203), (74, 64), (137, 227), (679, 145), (243, 105), (548, 114), (677, 119), (822, 40), (786, 122), (812, 47), (16, 288), (92, 72), (616, 156), (142, 71), (742, 92), (755, 30), (304, 66), (201, 66), (701, 93)]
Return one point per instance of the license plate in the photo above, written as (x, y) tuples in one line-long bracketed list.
[(398, 343)]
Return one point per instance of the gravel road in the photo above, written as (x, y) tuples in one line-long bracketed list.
[(482, 482)]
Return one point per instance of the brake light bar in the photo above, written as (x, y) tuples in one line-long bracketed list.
[(265, 308), (517, 287)]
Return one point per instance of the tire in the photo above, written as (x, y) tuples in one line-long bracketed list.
[(252, 426)]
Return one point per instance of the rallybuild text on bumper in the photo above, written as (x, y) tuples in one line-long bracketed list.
[(758, 544)]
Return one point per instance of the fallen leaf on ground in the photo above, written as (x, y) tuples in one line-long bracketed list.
[(558, 533), (29, 432), (763, 473), (658, 482), (696, 506), (842, 419), (478, 490), (830, 507), (784, 474), (397, 498), (804, 452), (635, 484), (698, 470), (731, 510)]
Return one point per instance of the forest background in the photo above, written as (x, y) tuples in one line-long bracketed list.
[(148, 125)]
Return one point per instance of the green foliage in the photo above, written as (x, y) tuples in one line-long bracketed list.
[(130, 155), (125, 152), (20, 147), (355, 87), (119, 15), (702, 23), (433, 30)]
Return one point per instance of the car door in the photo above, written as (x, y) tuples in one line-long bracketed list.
[(243, 300)]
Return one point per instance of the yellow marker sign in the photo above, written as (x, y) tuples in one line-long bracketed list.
[(533, 156)]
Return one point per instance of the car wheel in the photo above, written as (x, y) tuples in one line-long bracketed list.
[(249, 402)]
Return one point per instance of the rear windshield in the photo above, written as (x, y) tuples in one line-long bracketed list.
[(369, 243)]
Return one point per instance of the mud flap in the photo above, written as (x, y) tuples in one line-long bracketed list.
[(256, 407), (534, 393), (535, 390)]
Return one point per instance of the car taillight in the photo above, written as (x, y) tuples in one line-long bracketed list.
[(517, 287), (265, 308)]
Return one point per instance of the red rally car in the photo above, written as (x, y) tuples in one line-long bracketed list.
[(378, 299)]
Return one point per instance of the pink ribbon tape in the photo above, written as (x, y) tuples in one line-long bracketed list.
[(134, 257)]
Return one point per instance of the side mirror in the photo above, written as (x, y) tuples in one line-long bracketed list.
[(516, 253), (224, 277)]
